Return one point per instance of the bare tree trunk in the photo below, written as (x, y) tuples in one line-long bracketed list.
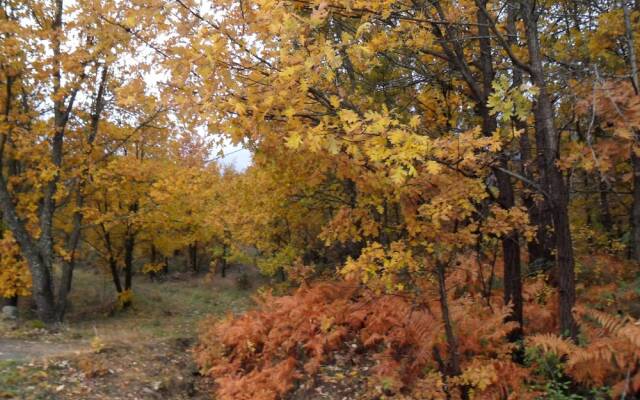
[(554, 182), (540, 250), (129, 245), (115, 275), (635, 213), (506, 199), (223, 269), (453, 362), (635, 160), (193, 256), (152, 260)]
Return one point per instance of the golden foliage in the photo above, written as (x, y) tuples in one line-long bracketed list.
[(15, 278)]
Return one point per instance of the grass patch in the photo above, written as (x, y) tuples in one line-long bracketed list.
[(160, 310), (24, 381)]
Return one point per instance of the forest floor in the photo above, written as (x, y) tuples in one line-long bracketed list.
[(142, 352)]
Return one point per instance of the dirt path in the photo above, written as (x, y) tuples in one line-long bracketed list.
[(140, 353), (27, 350)]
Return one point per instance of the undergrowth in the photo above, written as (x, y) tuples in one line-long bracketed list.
[(266, 352)]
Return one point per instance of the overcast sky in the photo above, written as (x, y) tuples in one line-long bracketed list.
[(235, 156)]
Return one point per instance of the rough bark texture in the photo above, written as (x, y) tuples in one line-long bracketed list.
[(510, 243), (540, 250), (38, 252), (553, 180)]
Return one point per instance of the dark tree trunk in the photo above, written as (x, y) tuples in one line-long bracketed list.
[(541, 256), (635, 160), (635, 213), (115, 275), (152, 260), (223, 262), (540, 250), (506, 199), (554, 183), (129, 245), (193, 256), (606, 219), (453, 362)]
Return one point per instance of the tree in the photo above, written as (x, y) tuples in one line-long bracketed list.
[(57, 67)]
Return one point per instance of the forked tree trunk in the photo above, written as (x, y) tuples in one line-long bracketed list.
[(74, 238), (38, 251)]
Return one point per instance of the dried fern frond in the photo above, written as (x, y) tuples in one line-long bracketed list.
[(550, 343)]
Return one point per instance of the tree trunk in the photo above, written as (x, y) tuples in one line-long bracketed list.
[(74, 238), (68, 265), (554, 183), (39, 251), (635, 160), (129, 245), (152, 260), (41, 278), (453, 362), (193, 256), (506, 199), (223, 269), (635, 213), (541, 257), (115, 275)]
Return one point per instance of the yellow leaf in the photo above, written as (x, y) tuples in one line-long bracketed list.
[(294, 141), (433, 167), (335, 101)]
